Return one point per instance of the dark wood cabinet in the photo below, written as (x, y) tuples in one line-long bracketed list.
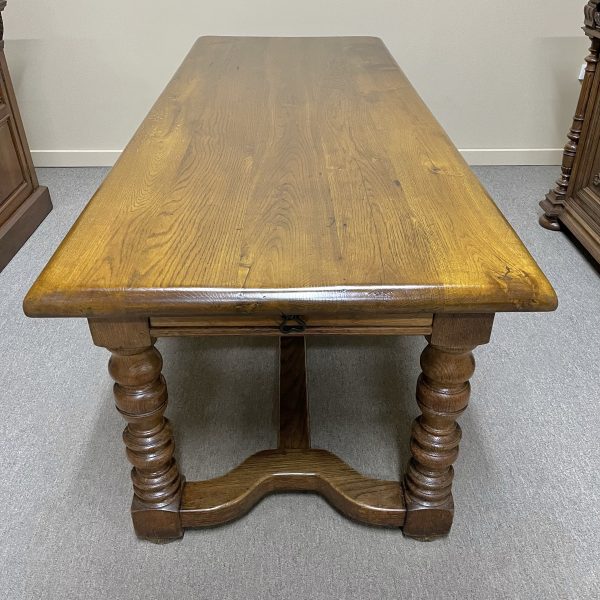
[(23, 202), (575, 201)]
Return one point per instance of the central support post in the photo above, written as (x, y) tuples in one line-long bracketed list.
[(294, 420), (292, 466)]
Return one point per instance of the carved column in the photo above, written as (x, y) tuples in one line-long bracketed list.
[(590, 13), (443, 392), (553, 203)]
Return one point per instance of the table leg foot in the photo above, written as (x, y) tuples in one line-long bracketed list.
[(156, 525), (425, 523)]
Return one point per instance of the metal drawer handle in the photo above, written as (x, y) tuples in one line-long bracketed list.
[(292, 324), (596, 180)]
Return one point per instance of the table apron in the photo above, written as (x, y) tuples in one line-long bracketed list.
[(271, 325)]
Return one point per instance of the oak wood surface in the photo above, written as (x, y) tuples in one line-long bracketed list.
[(294, 419), (140, 394), (312, 320), (164, 503), (294, 465), (269, 325), (274, 331), (289, 175), (219, 500), (130, 333)]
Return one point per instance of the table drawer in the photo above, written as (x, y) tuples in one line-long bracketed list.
[(404, 324)]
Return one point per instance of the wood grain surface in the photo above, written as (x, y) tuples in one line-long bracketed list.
[(223, 499), (289, 175), (270, 325), (294, 414)]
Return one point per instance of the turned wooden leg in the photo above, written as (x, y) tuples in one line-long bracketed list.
[(141, 398), (443, 394), (443, 391)]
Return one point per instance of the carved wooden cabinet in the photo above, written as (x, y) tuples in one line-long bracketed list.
[(575, 201), (23, 202)]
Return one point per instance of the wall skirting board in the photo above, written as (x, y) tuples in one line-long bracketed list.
[(484, 156), (75, 158), (510, 156)]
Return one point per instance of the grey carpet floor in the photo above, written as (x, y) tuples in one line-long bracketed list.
[(527, 487)]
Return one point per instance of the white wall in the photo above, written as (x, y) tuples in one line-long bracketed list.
[(500, 75)]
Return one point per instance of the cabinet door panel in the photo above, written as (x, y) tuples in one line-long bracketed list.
[(14, 185), (591, 172), (587, 159), (588, 201), (11, 174)]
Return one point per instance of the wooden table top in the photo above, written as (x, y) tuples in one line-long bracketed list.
[(289, 174)]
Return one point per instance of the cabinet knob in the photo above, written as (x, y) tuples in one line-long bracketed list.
[(596, 180)]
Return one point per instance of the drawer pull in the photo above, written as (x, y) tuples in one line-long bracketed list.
[(292, 324), (596, 180)]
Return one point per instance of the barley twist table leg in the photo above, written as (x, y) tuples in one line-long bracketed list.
[(141, 398)]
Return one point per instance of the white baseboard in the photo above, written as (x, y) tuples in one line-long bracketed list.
[(485, 156), (509, 156), (74, 158)]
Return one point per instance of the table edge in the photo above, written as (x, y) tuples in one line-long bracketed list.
[(198, 301)]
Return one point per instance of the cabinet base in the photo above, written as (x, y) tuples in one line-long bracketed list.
[(550, 223), (22, 223), (584, 229)]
